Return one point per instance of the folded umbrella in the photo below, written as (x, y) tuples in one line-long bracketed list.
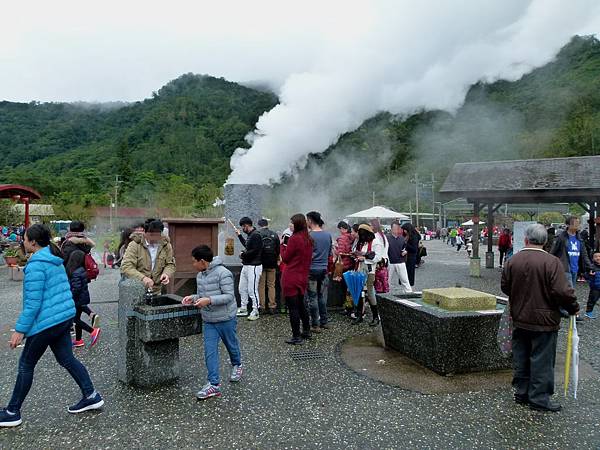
[(569, 353), (575, 359), (355, 281)]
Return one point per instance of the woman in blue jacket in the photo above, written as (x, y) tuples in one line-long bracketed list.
[(45, 321)]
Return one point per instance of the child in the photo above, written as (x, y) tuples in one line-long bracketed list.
[(459, 242), (217, 300), (81, 295), (469, 246), (594, 281)]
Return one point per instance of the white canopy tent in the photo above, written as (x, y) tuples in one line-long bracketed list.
[(378, 212), (468, 223)]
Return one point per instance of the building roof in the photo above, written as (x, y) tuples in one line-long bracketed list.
[(550, 180), (12, 190), (131, 213), (462, 206), (35, 209)]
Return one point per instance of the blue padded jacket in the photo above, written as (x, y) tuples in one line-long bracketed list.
[(47, 299)]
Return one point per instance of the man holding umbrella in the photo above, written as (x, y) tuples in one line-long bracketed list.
[(535, 283)]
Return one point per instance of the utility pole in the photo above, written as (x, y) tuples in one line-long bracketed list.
[(433, 221), (373, 198), (417, 197), (110, 218), (410, 210), (117, 182)]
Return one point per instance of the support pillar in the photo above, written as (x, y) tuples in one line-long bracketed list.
[(592, 227), (475, 262), (489, 256), (26, 221)]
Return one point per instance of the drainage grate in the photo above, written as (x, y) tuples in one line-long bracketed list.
[(307, 355)]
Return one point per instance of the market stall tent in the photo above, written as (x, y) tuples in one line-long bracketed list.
[(378, 212)]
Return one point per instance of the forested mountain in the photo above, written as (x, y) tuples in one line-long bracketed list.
[(178, 141), (175, 146)]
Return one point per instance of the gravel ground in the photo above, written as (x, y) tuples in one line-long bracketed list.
[(282, 402)]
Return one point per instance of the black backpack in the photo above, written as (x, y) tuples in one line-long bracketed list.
[(269, 249)]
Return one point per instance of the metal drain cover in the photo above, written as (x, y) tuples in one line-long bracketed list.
[(307, 355)]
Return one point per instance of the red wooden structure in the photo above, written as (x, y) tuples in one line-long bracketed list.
[(185, 234), (20, 193)]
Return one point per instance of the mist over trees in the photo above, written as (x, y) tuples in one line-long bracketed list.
[(173, 150)]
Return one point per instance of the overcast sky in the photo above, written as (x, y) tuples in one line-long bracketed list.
[(123, 50)]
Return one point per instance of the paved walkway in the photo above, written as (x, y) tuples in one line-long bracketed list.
[(283, 402)]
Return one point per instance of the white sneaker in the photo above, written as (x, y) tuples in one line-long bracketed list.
[(242, 312), (253, 315)]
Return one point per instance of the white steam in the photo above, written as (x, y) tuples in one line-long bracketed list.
[(403, 56)]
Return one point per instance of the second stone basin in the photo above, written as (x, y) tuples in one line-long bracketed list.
[(166, 318)]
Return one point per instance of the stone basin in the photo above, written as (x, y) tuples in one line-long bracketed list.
[(166, 318), (443, 340), (149, 335)]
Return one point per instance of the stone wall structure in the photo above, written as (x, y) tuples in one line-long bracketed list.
[(149, 335)]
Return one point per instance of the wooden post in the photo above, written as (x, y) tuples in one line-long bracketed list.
[(489, 256), (475, 262), (475, 230), (26, 203)]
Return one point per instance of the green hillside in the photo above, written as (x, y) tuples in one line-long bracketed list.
[(171, 145), (173, 149)]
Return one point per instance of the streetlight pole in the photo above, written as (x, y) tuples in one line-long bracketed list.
[(417, 197)]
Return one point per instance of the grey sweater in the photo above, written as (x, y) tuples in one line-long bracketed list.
[(216, 282)]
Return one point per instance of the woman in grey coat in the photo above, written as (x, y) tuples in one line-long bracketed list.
[(215, 296)]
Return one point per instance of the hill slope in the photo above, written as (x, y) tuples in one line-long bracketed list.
[(189, 128)]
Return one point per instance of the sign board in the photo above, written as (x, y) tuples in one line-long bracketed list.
[(519, 235)]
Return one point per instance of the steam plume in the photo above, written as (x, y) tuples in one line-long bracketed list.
[(404, 57)]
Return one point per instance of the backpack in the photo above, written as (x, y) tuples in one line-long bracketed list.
[(269, 252), (91, 268)]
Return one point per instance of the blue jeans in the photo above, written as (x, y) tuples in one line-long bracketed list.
[(571, 278), (58, 338), (213, 332), (316, 296)]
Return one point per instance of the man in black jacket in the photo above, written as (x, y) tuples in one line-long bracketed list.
[(251, 267), (270, 261)]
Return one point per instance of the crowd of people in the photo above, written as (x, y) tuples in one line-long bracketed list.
[(306, 256), (12, 233), (301, 262)]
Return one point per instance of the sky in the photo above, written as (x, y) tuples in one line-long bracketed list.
[(124, 50)]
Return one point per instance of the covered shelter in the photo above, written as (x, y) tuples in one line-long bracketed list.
[(19, 193), (378, 212), (551, 180)]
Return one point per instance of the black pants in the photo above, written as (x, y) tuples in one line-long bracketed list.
[(534, 354), (503, 252), (592, 299), (411, 264), (80, 324), (298, 312), (58, 339)]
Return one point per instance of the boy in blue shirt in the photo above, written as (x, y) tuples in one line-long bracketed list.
[(594, 281)]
